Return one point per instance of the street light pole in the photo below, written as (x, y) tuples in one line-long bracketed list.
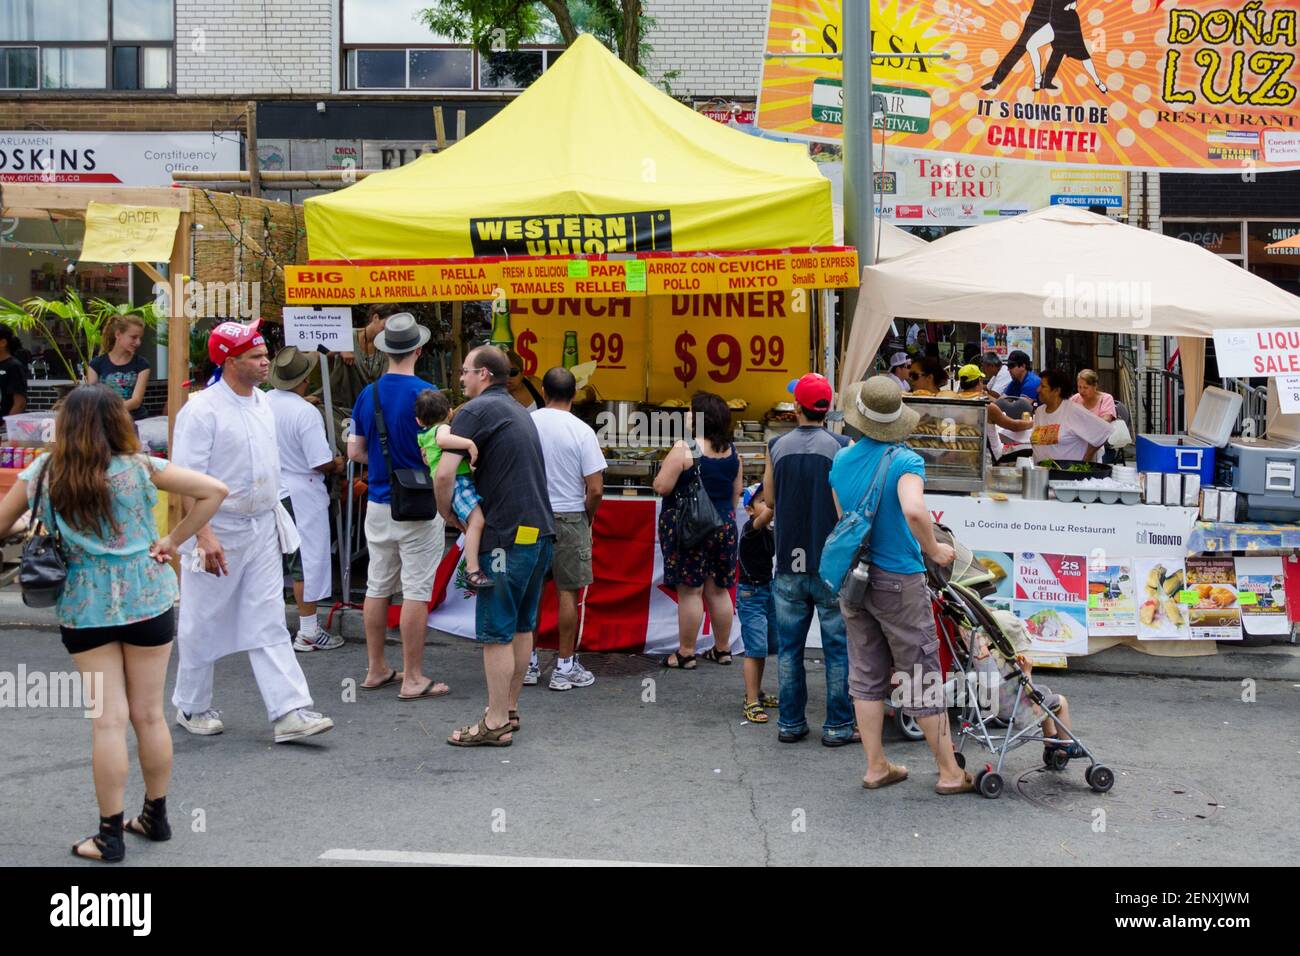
[(859, 205)]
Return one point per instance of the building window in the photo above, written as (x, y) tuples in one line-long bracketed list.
[(87, 44), (379, 51), (510, 69), (18, 67)]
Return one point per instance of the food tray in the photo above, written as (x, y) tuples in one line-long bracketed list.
[(1069, 491)]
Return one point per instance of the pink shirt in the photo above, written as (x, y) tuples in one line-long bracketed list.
[(1105, 404)]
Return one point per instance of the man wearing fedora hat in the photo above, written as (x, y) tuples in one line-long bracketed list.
[(893, 630), (404, 555), (305, 461)]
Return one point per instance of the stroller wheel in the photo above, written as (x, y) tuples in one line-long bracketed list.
[(1100, 778), (907, 726), (989, 783)]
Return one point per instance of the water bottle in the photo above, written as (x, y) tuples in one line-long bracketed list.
[(854, 593)]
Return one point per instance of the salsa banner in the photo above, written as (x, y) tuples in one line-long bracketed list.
[(592, 277), (1191, 85)]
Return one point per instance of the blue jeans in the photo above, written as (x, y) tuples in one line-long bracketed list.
[(757, 616), (510, 606), (796, 595)]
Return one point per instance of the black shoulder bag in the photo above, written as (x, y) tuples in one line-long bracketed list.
[(697, 518), (411, 488), (42, 571)]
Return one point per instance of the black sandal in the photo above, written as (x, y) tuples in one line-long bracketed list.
[(685, 662), (478, 581), (152, 822), (108, 841), (715, 655)]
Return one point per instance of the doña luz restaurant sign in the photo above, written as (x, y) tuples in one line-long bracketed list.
[(1195, 85)]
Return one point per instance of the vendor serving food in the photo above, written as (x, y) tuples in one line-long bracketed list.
[(1064, 430), (971, 382)]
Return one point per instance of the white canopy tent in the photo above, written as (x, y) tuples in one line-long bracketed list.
[(1066, 268)]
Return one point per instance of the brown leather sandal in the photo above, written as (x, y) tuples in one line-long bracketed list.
[(897, 774), (485, 736)]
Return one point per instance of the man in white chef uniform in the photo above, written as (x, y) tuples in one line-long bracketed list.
[(305, 460), (232, 592)]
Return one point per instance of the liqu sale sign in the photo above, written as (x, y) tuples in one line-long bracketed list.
[(1257, 353), (1148, 84)]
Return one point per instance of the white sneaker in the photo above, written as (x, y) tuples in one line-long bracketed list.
[(323, 641), (533, 673), (577, 676), (300, 723), (203, 725)]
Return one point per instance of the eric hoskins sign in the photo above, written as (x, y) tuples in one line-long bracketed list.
[(128, 159)]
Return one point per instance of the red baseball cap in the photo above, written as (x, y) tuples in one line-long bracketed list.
[(813, 392), (233, 338)]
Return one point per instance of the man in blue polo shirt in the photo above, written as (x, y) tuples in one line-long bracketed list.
[(796, 486), (1024, 383)]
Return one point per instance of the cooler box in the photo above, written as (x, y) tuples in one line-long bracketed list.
[(1266, 472), (1195, 452)]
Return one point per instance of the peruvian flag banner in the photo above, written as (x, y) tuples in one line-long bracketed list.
[(626, 607)]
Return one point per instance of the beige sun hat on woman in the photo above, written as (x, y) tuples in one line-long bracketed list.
[(875, 408)]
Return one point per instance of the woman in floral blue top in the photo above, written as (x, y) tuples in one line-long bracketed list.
[(115, 612)]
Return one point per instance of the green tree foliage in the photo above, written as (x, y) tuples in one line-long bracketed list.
[(499, 25)]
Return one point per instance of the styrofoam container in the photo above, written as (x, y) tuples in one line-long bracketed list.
[(1130, 497), (1064, 491), (1108, 496)]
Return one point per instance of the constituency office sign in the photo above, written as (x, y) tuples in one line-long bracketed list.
[(1149, 84), (126, 159)]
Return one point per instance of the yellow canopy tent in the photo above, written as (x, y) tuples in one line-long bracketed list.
[(590, 159)]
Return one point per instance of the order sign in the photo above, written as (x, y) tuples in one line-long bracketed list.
[(310, 328)]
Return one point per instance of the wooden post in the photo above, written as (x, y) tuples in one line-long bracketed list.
[(178, 345), (439, 129), (254, 177), (460, 125)]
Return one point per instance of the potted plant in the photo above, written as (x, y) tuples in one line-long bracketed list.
[(71, 324)]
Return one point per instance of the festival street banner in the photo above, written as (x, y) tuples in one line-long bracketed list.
[(759, 274), (1166, 85)]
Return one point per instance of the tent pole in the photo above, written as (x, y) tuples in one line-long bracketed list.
[(858, 212)]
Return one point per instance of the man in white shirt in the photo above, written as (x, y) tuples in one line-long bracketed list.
[(232, 582), (900, 364), (305, 460), (996, 376), (575, 480)]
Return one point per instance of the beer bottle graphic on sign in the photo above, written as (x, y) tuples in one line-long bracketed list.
[(502, 336), (569, 357)]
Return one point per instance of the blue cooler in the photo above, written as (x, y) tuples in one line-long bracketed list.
[(1194, 453), (1177, 453)]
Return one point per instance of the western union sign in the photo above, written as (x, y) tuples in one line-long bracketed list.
[(560, 235)]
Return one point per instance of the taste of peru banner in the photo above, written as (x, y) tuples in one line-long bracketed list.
[(1168, 85)]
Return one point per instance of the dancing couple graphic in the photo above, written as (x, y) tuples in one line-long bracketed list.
[(1055, 22)]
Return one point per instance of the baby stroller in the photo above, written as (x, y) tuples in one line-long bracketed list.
[(961, 619)]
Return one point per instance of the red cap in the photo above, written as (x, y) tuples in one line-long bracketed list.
[(813, 392), (232, 338)]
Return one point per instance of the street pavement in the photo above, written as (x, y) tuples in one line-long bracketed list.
[(654, 766)]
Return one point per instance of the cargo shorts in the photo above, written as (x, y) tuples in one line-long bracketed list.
[(895, 633), (571, 563)]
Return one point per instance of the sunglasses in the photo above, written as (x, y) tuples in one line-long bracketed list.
[(466, 371), (514, 373)]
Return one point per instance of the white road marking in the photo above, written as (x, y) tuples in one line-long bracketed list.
[(469, 859)]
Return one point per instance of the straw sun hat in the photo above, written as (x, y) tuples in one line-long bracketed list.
[(875, 408)]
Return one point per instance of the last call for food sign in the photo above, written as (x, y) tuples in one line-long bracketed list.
[(1192, 85)]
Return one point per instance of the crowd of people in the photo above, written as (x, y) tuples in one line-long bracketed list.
[(1051, 415), (523, 481)]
